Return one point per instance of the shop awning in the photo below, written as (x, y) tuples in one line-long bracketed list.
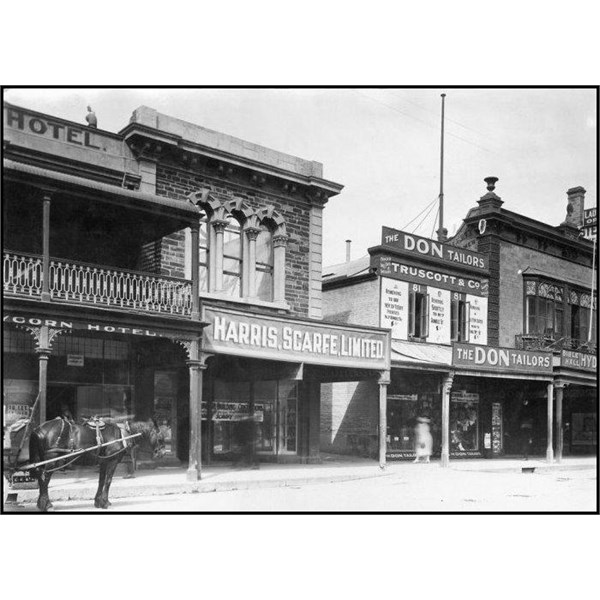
[(141, 200), (554, 276), (418, 354)]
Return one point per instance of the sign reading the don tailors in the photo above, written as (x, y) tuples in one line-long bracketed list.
[(230, 332), (501, 359)]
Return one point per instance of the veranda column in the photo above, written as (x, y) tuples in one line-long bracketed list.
[(550, 424), (559, 387), (219, 227), (446, 387), (279, 246), (196, 365), (46, 246), (43, 356), (250, 284), (195, 243), (384, 381)]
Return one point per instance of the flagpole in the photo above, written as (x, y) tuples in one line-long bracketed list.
[(441, 236)]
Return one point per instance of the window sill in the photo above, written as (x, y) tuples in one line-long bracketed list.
[(246, 301)]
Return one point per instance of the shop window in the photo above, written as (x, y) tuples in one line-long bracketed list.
[(232, 259), (264, 265), (418, 313), (203, 256), (464, 422), (459, 315)]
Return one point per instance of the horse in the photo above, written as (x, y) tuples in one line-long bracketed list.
[(60, 437)]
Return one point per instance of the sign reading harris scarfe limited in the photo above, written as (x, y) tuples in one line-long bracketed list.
[(408, 243), (501, 359), (258, 336)]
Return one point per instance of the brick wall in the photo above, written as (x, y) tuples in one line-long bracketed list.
[(513, 258), (350, 417), (177, 183), (358, 304)]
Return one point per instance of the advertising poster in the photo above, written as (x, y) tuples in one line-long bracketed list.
[(394, 307), (478, 315), (439, 316)]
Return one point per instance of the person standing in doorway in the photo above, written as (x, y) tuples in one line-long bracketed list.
[(423, 440)]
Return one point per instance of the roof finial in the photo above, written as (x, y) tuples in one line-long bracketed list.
[(491, 183)]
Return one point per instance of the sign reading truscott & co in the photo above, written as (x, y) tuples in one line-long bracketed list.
[(260, 336)]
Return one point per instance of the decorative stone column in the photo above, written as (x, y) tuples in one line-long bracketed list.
[(550, 424), (559, 387), (384, 381), (279, 245), (446, 388), (47, 196), (250, 262), (219, 227)]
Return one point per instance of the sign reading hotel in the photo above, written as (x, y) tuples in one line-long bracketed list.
[(590, 223), (418, 246), (259, 336), (486, 358), (570, 359), (42, 126), (79, 325), (405, 271)]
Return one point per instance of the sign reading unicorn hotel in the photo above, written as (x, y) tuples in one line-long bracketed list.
[(258, 336)]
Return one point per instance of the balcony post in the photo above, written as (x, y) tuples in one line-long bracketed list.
[(446, 387), (559, 387), (384, 381), (195, 271), (550, 423), (46, 246)]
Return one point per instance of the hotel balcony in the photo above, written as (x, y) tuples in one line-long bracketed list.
[(533, 341), (74, 282)]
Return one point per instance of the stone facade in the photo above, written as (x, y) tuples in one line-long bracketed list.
[(177, 183)]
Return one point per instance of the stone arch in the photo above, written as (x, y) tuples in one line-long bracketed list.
[(272, 219)]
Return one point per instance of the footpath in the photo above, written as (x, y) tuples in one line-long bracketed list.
[(81, 484)]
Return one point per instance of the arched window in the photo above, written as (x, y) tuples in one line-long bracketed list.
[(204, 249), (264, 265), (232, 259)]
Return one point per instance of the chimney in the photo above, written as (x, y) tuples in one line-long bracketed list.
[(576, 198), (348, 244)]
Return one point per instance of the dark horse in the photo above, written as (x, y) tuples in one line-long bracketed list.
[(60, 437)]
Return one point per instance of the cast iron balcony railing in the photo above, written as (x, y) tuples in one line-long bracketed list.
[(535, 341), (77, 282)]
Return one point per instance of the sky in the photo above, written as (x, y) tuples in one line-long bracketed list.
[(383, 145)]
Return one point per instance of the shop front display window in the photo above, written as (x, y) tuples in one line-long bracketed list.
[(273, 405), (402, 414), (464, 422)]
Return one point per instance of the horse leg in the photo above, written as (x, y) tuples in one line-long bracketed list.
[(43, 502), (101, 480), (109, 470)]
